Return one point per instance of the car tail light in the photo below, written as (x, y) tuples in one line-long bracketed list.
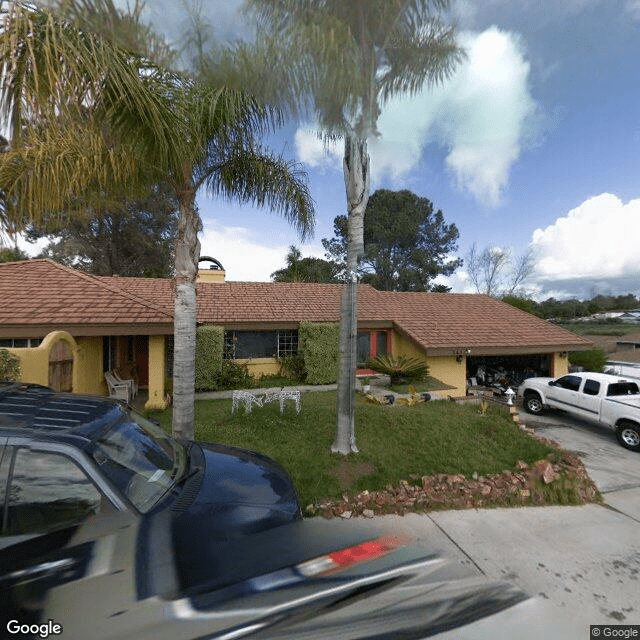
[(347, 557)]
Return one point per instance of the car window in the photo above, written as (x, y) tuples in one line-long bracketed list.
[(623, 389), (572, 383), (47, 490), (591, 387), (140, 460), (5, 460)]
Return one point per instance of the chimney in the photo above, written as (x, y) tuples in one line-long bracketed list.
[(213, 273)]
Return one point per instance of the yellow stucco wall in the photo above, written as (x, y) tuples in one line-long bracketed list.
[(444, 368), (559, 364), (157, 366), (34, 362), (261, 366), (87, 367)]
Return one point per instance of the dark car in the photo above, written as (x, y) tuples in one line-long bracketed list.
[(64, 457), (118, 577)]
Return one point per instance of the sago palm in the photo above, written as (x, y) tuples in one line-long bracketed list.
[(86, 115)]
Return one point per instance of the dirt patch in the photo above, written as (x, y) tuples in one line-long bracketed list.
[(348, 472)]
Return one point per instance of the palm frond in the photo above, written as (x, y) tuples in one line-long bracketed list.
[(255, 176)]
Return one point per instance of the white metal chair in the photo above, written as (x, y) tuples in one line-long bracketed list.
[(118, 390)]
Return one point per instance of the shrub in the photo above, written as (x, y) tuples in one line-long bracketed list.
[(409, 368), (233, 375), (318, 346), (209, 347), (292, 367), (591, 360), (9, 366)]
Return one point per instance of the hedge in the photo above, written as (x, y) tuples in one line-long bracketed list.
[(9, 366), (318, 346), (209, 349)]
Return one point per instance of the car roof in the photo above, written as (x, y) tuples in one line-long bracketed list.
[(29, 410), (602, 377)]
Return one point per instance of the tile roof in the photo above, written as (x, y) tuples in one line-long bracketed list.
[(43, 292), (437, 321)]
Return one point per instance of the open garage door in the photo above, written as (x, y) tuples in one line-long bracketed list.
[(501, 372)]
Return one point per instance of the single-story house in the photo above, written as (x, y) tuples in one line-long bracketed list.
[(69, 328)]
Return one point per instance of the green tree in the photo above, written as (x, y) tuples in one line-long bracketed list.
[(12, 254), (406, 243), (87, 115), (309, 269), (340, 62)]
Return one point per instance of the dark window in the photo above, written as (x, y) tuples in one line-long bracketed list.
[(108, 353), (572, 383), (46, 491), (591, 387), (381, 343), (623, 389), (260, 344), (364, 348)]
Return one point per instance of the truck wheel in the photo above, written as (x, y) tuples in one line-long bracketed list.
[(629, 435), (533, 404)]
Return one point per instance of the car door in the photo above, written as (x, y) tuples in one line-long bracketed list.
[(589, 400), (563, 393), (44, 490)]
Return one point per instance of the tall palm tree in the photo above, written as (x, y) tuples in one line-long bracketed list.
[(341, 61), (87, 115)]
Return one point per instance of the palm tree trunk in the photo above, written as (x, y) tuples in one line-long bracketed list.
[(356, 178), (185, 314)]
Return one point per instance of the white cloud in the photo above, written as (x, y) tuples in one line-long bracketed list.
[(245, 254), (314, 152), (483, 116), (593, 247)]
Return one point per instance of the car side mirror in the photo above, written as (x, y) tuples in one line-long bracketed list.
[(552, 383)]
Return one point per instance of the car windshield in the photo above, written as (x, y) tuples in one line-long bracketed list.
[(140, 460)]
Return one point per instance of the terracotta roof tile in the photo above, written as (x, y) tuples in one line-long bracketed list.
[(437, 321), (44, 292)]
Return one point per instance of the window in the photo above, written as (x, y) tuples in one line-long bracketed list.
[(623, 389), (47, 490), (591, 387), (16, 343), (572, 383), (260, 344), (370, 345)]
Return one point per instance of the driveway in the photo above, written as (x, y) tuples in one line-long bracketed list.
[(581, 563), (615, 470)]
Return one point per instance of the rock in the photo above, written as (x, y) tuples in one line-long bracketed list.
[(368, 513), (346, 514), (545, 470)]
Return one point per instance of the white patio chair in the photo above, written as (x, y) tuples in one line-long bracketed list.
[(118, 390), (133, 385)]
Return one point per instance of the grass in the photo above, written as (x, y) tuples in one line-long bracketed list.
[(395, 442), (599, 328)]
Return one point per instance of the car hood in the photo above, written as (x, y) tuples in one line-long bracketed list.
[(230, 493)]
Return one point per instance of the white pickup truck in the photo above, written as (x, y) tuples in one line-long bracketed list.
[(610, 400)]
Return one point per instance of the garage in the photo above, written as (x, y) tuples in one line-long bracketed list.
[(505, 371)]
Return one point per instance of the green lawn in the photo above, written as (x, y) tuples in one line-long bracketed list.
[(599, 328), (394, 441)]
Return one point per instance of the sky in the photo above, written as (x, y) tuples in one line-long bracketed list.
[(533, 144)]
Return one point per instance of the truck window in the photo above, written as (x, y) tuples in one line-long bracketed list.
[(569, 382), (591, 387), (623, 389)]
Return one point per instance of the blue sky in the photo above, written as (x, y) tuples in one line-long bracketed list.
[(534, 143)]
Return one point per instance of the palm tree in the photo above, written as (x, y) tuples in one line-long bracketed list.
[(87, 115), (341, 61)]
